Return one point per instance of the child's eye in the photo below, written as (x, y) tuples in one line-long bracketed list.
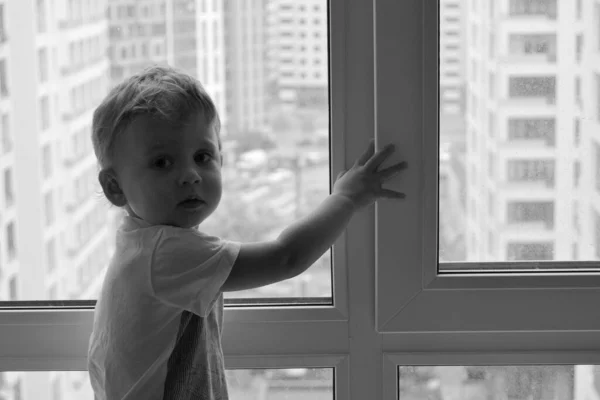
[(203, 156), (161, 163)]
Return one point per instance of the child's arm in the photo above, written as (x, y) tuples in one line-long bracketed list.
[(305, 241)]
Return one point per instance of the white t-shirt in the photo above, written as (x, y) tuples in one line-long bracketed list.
[(159, 315)]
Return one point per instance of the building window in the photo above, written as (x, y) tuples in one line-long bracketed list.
[(597, 233), (532, 7), (531, 212), (532, 171), (533, 44), (3, 79), (532, 129), (2, 30), (578, 47), (576, 224), (530, 251), (578, 90), (11, 240), (597, 24), (44, 113), (12, 288), (532, 87), (5, 132), (598, 97), (43, 64), (47, 161), (49, 208), (597, 161), (9, 196), (51, 255), (41, 16)]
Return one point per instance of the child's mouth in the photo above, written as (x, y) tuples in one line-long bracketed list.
[(191, 203)]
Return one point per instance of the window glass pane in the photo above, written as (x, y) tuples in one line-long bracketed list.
[(519, 150), (243, 384), (274, 128), (531, 382)]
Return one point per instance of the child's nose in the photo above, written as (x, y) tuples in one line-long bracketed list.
[(189, 176)]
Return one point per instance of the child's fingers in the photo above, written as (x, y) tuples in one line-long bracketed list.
[(379, 157), (367, 154), (393, 170)]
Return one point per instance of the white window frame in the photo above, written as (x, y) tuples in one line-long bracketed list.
[(262, 337), (412, 297)]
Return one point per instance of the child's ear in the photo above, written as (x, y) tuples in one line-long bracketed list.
[(111, 188)]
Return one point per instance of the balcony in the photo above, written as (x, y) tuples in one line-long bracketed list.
[(533, 8), (76, 22), (531, 58), (529, 185), (530, 101), (530, 226), (538, 143)]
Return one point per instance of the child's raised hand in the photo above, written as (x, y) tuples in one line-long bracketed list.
[(362, 183)]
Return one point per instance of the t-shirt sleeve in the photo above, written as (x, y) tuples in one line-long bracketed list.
[(189, 268)]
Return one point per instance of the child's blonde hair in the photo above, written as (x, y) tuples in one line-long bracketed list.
[(160, 91)]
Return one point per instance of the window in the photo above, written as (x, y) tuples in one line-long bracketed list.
[(531, 171), (13, 290), (391, 293), (51, 255), (11, 240), (597, 165), (532, 7), (44, 113), (532, 44), (43, 64), (578, 90), (532, 129), (41, 16), (3, 79), (511, 300), (597, 76), (49, 208), (532, 87), (596, 234), (7, 143), (2, 24), (531, 212), (9, 196)]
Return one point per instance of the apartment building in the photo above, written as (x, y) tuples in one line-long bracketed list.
[(245, 65), (452, 57), (55, 238), (297, 50), (532, 110), (186, 34)]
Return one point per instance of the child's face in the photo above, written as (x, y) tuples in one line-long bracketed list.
[(158, 166)]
